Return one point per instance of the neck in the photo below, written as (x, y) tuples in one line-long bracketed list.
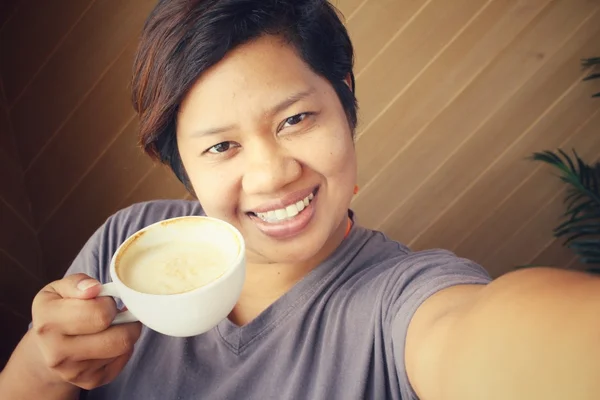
[(266, 282)]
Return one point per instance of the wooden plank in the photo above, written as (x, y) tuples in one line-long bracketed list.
[(19, 241), (517, 230), (7, 10), (72, 151), (410, 52), (479, 201), (500, 143), (14, 326), (7, 142), (518, 249), (97, 197), (159, 183), (555, 254), (375, 24), (348, 7), (526, 186), (74, 69), (17, 286), (12, 188), (439, 84), (518, 64), (31, 35)]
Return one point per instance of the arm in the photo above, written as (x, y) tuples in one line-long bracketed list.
[(531, 334), (22, 378), (71, 343), (46, 363)]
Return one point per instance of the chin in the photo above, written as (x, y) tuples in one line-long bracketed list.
[(299, 249)]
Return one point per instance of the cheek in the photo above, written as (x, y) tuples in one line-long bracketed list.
[(216, 190), (335, 156)]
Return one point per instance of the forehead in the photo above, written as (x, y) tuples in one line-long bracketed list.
[(251, 77)]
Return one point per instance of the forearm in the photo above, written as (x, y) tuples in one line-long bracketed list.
[(532, 334), (21, 380)]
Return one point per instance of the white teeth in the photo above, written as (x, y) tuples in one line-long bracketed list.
[(281, 214), (286, 213), (292, 210)]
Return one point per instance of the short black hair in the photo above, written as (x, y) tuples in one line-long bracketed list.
[(183, 38)]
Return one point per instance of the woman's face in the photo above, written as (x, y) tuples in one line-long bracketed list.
[(268, 148)]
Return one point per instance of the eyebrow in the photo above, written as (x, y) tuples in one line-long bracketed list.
[(277, 108)]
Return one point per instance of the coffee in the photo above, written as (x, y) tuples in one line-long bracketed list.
[(171, 268), (177, 258)]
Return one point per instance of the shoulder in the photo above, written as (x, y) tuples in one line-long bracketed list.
[(389, 256), (404, 277)]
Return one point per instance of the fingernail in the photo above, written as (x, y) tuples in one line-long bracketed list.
[(86, 284)]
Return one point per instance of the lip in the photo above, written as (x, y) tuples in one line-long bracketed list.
[(284, 201), (288, 228)]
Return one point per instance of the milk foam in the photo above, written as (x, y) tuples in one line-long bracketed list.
[(171, 268), (177, 257)]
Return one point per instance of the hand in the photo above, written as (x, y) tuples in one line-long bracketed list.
[(72, 330)]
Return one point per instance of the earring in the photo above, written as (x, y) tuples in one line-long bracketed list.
[(355, 189)]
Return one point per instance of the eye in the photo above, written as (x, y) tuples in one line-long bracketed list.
[(221, 148), (294, 120)]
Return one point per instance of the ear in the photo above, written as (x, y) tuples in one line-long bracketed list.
[(349, 80)]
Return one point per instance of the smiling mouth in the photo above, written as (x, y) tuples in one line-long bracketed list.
[(285, 213)]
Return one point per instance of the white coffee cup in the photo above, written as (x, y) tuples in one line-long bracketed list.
[(192, 312)]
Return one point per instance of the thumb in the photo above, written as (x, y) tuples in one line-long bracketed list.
[(76, 286)]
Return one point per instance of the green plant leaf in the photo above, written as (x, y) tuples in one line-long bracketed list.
[(587, 252), (583, 171), (571, 193), (547, 157), (592, 76), (574, 200), (566, 157), (582, 243), (590, 260), (577, 235), (587, 229), (582, 207), (589, 62), (581, 226), (575, 221), (594, 270)]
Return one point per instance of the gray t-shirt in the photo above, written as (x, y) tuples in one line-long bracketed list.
[(337, 334)]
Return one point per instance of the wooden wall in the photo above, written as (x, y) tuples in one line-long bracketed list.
[(21, 272), (67, 65), (453, 95)]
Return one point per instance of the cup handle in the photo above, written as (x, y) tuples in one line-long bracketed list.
[(110, 290)]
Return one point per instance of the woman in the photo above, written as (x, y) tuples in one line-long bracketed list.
[(251, 103)]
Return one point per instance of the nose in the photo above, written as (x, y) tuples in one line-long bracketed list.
[(268, 168)]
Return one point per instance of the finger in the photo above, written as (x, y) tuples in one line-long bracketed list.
[(74, 316), (111, 343), (76, 286), (114, 368), (97, 373), (65, 288), (76, 372)]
